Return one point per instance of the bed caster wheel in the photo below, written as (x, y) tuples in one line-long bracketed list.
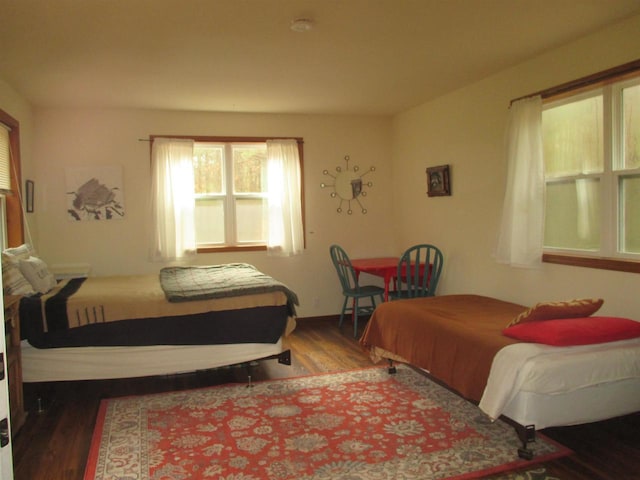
[(391, 370), (525, 453)]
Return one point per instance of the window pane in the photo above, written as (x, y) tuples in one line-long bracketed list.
[(572, 216), (630, 214), (631, 126), (573, 139), (249, 219), (208, 168), (248, 171), (3, 223), (209, 218)]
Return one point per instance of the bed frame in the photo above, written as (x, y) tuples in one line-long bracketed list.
[(99, 363)]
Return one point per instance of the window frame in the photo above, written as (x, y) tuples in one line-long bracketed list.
[(13, 201), (603, 78), (211, 248)]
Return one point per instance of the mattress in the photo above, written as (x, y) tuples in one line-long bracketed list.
[(133, 311), (534, 371)]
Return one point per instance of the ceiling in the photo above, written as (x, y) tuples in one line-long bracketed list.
[(361, 57)]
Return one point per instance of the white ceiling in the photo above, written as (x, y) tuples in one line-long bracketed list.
[(362, 56)]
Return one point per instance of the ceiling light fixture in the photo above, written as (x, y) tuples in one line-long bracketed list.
[(301, 25)]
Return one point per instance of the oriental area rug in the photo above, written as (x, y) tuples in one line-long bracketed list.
[(363, 424)]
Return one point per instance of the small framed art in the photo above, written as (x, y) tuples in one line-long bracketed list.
[(438, 181), (30, 192)]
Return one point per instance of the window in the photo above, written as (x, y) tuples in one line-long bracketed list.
[(591, 143), (218, 194), (11, 215), (231, 195), (5, 182)]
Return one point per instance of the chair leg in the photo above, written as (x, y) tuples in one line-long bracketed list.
[(355, 317), (373, 300), (344, 307)]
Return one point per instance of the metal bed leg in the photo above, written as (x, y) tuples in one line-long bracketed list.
[(285, 357), (527, 435), (392, 368)]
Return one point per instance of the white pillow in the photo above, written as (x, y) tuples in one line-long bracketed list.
[(23, 251), (37, 273), (13, 281)]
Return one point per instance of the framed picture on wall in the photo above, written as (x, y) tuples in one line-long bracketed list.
[(438, 181), (30, 192)]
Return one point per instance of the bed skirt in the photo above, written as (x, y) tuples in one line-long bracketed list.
[(93, 363)]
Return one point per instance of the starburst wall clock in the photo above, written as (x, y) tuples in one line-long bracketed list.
[(348, 186)]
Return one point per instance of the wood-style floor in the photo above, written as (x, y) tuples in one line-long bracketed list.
[(54, 443)]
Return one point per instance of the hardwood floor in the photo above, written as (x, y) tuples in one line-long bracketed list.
[(54, 443)]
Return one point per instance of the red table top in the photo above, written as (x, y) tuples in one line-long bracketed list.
[(382, 266)]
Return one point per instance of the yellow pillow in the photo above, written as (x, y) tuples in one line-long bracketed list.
[(556, 310)]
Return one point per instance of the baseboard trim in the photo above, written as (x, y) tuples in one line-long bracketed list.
[(324, 318)]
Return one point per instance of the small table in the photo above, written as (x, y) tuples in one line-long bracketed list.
[(385, 267)]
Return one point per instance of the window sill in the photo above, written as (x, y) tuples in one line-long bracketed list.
[(237, 248), (630, 266)]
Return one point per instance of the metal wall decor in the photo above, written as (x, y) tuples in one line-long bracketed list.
[(348, 186)]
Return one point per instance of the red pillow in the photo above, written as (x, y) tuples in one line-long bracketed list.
[(575, 331)]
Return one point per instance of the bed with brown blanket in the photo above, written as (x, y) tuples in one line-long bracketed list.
[(458, 339), (185, 318)]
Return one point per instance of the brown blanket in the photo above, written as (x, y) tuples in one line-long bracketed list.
[(110, 299), (454, 337)]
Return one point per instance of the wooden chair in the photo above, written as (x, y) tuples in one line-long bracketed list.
[(352, 290), (419, 271)]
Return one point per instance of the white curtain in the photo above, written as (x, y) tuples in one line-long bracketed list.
[(172, 200), (285, 234), (587, 201), (521, 235)]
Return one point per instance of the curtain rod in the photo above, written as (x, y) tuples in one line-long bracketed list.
[(221, 139), (585, 81)]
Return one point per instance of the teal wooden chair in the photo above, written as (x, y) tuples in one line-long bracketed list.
[(419, 271), (352, 290)]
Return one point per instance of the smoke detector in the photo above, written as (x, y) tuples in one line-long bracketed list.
[(301, 25)]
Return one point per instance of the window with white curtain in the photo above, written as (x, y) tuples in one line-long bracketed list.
[(245, 193), (591, 150)]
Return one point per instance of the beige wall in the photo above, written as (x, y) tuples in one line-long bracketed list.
[(463, 129), (466, 130), (71, 138)]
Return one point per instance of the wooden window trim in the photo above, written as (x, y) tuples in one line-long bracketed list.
[(590, 81), (603, 263), (15, 217), (217, 139), (236, 248)]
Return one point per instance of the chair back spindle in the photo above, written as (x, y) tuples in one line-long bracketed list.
[(419, 270)]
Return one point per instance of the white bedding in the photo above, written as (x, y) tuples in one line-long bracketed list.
[(545, 371)]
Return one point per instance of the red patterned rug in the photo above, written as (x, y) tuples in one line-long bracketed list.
[(363, 424)]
